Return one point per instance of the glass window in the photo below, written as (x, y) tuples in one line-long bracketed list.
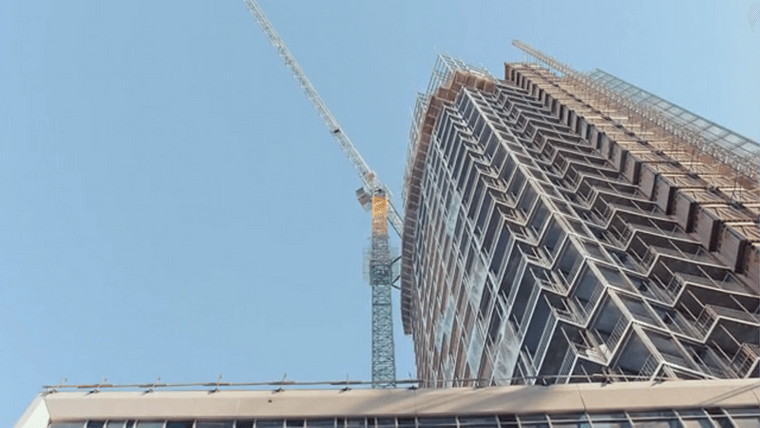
[(353, 423), (663, 423), (320, 423), (244, 424), (383, 423), (610, 420), (95, 424), (570, 420), (176, 424), (270, 424), (656, 419), (697, 423), (437, 422), (115, 424), (744, 411), (723, 422), (294, 423), (746, 421), (201, 424), (406, 423), (692, 412), (67, 425), (508, 421), (534, 421), (478, 422), (149, 424), (720, 418)]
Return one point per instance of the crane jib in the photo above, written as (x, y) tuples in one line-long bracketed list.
[(368, 177)]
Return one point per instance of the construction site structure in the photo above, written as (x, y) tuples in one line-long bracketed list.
[(722, 166), (702, 146), (559, 230), (380, 264), (372, 195)]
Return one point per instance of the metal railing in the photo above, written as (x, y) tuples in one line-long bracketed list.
[(649, 367), (745, 358), (546, 335), (617, 333)]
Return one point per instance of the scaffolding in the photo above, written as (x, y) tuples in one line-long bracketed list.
[(691, 140)]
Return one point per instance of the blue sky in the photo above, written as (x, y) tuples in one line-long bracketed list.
[(172, 206)]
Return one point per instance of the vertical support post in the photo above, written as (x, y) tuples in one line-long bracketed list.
[(380, 279)]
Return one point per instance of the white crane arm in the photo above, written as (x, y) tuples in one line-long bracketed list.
[(368, 177)]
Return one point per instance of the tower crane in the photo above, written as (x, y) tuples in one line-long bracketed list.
[(372, 195)]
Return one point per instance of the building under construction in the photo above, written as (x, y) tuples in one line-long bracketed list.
[(559, 227), (569, 227)]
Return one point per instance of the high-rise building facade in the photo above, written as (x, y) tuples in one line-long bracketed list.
[(563, 227)]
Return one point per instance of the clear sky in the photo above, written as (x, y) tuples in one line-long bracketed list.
[(171, 205)]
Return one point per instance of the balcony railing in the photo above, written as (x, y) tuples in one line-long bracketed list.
[(546, 335), (528, 360), (745, 358), (676, 284), (568, 362), (568, 315), (710, 313), (529, 309), (676, 360), (649, 367), (588, 351), (617, 333), (712, 370)]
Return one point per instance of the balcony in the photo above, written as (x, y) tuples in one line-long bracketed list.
[(546, 336), (611, 339), (745, 359), (649, 368), (728, 283), (545, 280), (710, 314), (568, 314), (566, 368), (708, 362)]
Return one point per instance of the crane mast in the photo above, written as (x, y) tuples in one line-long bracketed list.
[(373, 194)]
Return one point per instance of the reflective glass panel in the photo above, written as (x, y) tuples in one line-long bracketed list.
[(149, 424), (321, 423), (383, 423), (477, 422), (437, 422), (697, 423), (406, 422), (746, 421)]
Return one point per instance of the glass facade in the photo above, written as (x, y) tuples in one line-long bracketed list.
[(745, 417), (549, 239)]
